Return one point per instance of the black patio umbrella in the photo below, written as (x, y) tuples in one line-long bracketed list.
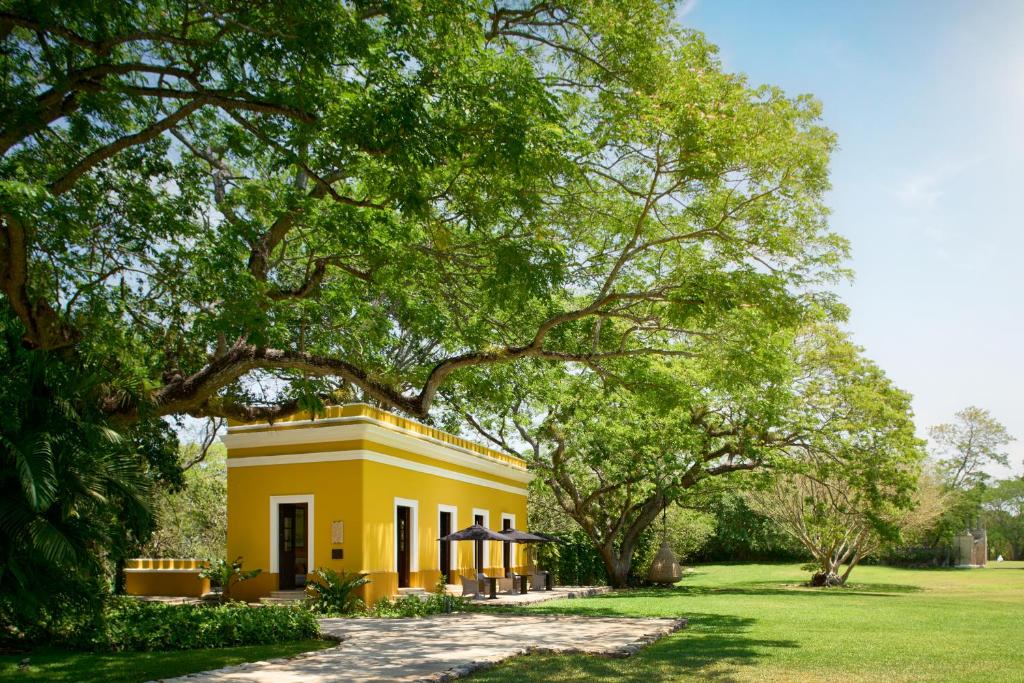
[(476, 532), (517, 536)]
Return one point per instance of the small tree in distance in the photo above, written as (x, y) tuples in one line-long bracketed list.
[(837, 524)]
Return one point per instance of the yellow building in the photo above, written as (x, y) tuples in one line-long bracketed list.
[(362, 490)]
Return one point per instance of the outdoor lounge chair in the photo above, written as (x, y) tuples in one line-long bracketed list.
[(470, 586), (506, 585), (539, 581)]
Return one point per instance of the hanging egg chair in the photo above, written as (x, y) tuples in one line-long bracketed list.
[(665, 569)]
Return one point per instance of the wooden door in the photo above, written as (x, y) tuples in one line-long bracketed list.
[(506, 550), (446, 546), (292, 535), (402, 541), (478, 547)]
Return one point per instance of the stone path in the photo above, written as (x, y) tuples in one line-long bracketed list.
[(534, 597), (444, 647)]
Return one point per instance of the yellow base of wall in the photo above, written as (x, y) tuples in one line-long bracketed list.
[(177, 583)]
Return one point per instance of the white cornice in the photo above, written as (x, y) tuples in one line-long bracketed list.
[(376, 432)]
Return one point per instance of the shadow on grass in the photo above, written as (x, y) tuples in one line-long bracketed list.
[(616, 603), (720, 642), (69, 666)]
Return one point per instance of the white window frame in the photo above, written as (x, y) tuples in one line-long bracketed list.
[(486, 547), (414, 533), (451, 544), (275, 549)]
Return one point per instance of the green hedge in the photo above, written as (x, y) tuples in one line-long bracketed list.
[(136, 625)]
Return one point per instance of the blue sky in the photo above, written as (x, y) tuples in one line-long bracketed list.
[(927, 99)]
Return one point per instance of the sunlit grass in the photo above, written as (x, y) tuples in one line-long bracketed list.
[(758, 622)]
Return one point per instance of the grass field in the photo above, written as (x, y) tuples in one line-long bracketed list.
[(756, 623), (52, 664)]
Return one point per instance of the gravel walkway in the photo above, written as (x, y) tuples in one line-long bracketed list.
[(444, 647)]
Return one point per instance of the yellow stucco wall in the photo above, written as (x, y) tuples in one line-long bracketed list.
[(382, 484), (165, 576), (362, 494)]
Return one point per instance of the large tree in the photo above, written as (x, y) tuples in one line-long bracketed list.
[(619, 446), (853, 480), (241, 208)]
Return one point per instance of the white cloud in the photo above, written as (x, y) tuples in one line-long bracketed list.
[(923, 189), (686, 7)]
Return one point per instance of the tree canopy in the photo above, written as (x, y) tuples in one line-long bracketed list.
[(239, 209), (964, 448), (853, 480)]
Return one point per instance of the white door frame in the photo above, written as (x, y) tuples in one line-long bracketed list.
[(512, 546), (414, 533), (275, 542), (451, 544), (486, 547)]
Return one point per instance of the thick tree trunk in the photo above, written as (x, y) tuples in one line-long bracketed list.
[(617, 564)]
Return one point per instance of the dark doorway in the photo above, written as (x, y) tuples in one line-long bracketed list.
[(478, 547), (403, 522), (446, 546), (506, 550), (292, 533)]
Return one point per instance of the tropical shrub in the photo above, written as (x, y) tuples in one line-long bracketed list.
[(440, 601), (75, 488), (131, 624), (331, 592), (226, 575), (573, 561)]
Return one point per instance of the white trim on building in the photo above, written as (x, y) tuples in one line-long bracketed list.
[(275, 502), (339, 456), (486, 514), (414, 533)]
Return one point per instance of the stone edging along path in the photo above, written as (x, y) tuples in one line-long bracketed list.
[(445, 647)]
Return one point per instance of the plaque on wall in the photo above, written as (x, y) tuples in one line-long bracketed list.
[(337, 532)]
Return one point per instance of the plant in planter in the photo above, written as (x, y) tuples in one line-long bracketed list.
[(226, 575)]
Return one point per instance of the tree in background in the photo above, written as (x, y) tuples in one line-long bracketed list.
[(1003, 515), (837, 524), (965, 447), (191, 521), (855, 471), (616, 448), (961, 451), (614, 458)]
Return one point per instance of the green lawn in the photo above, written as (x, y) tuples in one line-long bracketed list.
[(756, 623), (133, 667)]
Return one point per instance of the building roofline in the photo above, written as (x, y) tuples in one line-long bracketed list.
[(363, 412)]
